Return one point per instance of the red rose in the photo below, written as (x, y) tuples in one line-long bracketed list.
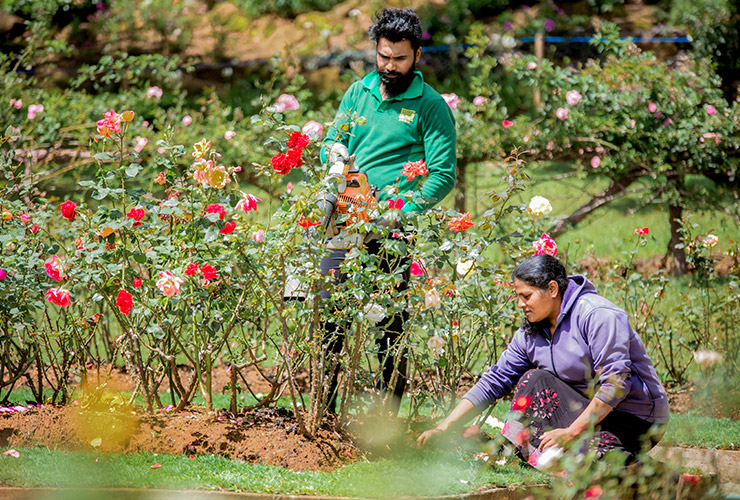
[(280, 164), (298, 140), (208, 272), (192, 269), (228, 227), (303, 222), (124, 302), (137, 214), (640, 231), (294, 157), (68, 210), (137, 282), (58, 296), (215, 208)]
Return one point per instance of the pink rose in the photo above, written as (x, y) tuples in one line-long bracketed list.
[(451, 99), (154, 92), (59, 296), (507, 123), (286, 102), (3, 274), (140, 142), (55, 268), (247, 203), (187, 120), (595, 162), (258, 236), (711, 110), (652, 107), (229, 134), (573, 97), (417, 268), (480, 101), (34, 109), (545, 245), (562, 113), (169, 284), (313, 130), (531, 65)]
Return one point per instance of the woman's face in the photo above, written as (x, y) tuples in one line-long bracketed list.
[(538, 304)]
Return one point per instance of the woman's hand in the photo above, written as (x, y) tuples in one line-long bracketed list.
[(427, 435), (556, 437)]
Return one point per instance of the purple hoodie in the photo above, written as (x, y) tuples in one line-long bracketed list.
[(593, 341)]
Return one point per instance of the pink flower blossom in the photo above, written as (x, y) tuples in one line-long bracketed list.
[(667, 122), (154, 92), (507, 123), (169, 284), (111, 123), (313, 130), (545, 245), (414, 169), (187, 120), (593, 492), (417, 268), (531, 65), (595, 162), (633, 123), (12, 453), (258, 235), (3, 274), (573, 97), (451, 99), (55, 268), (216, 208), (562, 113), (396, 204), (480, 101), (289, 188), (161, 150), (58, 296), (140, 142), (17, 104), (34, 109), (652, 107), (247, 203), (229, 134), (286, 102), (709, 240), (711, 110)]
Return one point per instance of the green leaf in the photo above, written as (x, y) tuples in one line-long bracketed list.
[(132, 170), (103, 156)]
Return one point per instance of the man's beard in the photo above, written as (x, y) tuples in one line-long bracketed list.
[(395, 83)]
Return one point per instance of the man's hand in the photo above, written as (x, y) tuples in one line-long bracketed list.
[(427, 435)]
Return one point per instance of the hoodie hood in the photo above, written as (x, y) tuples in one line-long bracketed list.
[(578, 285)]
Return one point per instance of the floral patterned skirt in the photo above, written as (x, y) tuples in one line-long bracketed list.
[(543, 402)]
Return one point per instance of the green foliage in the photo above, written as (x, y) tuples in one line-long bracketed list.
[(285, 8)]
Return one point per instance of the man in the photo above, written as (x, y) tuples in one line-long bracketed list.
[(403, 120)]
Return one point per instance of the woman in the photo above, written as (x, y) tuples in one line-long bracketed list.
[(577, 362)]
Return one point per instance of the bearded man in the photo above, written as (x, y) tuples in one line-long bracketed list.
[(387, 119)]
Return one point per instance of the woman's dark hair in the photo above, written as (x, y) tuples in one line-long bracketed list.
[(538, 272), (396, 25)]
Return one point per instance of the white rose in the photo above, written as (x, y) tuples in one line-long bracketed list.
[(539, 206), (707, 358), (374, 312), (432, 299), (436, 344), (464, 266)]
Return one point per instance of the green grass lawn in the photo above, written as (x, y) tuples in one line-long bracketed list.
[(414, 474)]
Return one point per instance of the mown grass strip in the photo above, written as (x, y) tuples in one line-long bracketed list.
[(414, 474)]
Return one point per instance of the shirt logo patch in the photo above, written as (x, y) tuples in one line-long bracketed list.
[(406, 115)]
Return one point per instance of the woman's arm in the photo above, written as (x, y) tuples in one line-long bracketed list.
[(461, 414), (593, 414)]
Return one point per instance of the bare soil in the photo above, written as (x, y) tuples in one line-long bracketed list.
[(267, 435)]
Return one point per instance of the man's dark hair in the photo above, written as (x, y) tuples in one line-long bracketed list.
[(396, 25), (538, 272)]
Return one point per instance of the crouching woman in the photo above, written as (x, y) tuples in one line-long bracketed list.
[(575, 362)]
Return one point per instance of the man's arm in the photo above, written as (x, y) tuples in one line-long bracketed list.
[(440, 153)]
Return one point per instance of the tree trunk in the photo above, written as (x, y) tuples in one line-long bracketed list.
[(461, 187), (676, 247), (616, 189)]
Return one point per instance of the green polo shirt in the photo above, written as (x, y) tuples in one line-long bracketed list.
[(415, 125)]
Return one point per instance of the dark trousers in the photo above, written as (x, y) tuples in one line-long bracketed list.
[(392, 327), (555, 404)]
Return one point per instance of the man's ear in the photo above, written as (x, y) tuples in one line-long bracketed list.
[(418, 55)]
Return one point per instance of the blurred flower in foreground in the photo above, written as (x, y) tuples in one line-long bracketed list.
[(706, 358), (539, 206)]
